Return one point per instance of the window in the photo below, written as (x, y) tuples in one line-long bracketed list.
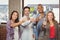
[(4, 10), (56, 13), (52, 5)]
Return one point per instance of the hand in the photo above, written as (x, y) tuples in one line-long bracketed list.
[(21, 21), (39, 17), (32, 19), (44, 23)]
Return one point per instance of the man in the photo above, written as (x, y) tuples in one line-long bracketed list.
[(27, 25)]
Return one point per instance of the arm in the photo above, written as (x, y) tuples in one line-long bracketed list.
[(37, 19), (26, 23), (15, 24)]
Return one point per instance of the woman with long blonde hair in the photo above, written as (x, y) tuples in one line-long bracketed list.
[(51, 26)]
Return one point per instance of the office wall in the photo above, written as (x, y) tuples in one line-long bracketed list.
[(41, 2), (2, 2), (14, 5)]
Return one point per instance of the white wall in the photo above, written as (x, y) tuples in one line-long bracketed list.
[(56, 13), (2, 2), (55, 10), (26, 2)]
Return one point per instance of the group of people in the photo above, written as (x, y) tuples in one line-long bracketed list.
[(40, 26)]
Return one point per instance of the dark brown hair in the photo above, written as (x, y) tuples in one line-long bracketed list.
[(26, 7), (17, 20)]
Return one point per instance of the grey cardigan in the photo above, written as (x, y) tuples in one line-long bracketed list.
[(46, 37), (10, 31), (48, 30)]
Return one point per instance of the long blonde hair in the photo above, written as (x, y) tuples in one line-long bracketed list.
[(54, 21)]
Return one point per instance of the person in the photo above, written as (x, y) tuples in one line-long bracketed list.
[(12, 26), (51, 26), (27, 33), (40, 19)]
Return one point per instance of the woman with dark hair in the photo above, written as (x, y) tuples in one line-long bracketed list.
[(12, 26)]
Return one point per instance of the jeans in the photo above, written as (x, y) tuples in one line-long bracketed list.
[(35, 33)]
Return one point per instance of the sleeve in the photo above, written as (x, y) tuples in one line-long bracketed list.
[(36, 15), (58, 32), (25, 23), (8, 26), (9, 29)]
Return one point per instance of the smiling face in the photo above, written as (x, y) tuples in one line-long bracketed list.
[(26, 11), (40, 8), (50, 16), (14, 16)]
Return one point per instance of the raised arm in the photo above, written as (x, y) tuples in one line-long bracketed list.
[(15, 24)]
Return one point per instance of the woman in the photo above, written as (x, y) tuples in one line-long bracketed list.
[(40, 20), (51, 26), (12, 26)]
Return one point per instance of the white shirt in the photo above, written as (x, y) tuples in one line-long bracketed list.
[(16, 36)]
